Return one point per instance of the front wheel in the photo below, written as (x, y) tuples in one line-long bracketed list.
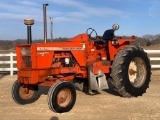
[(131, 71), (61, 97), (21, 96)]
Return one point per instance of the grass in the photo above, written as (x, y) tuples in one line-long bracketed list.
[(7, 65), (155, 62), (6, 58)]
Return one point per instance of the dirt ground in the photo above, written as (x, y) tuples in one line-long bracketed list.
[(104, 106)]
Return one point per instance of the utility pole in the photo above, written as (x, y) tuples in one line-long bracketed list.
[(51, 28)]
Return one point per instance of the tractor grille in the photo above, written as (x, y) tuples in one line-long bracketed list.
[(26, 57), (26, 62)]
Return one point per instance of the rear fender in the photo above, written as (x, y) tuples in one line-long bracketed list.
[(113, 49)]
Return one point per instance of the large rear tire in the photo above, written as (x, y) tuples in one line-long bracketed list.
[(131, 71), (61, 97), (20, 96)]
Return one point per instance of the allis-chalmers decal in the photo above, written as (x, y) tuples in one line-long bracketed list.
[(59, 48)]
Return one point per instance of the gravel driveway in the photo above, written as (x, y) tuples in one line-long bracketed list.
[(104, 106)]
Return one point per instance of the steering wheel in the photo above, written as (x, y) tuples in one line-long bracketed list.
[(90, 31)]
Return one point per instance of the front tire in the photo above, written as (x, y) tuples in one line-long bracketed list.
[(20, 96), (61, 97), (131, 71)]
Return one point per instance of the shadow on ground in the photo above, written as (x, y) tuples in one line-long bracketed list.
[(43, 90), (54, 118), (3, 75)]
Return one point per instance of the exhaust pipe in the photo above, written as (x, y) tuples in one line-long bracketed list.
[(29, 23), (45, 22)]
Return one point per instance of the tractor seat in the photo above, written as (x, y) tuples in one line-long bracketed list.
[(101, 42)]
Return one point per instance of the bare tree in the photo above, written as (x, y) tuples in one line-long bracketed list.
[(149, 37)]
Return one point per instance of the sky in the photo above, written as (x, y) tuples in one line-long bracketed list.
[(73, 17)]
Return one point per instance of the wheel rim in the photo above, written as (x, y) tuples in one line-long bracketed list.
[(137, 72), (23, 94), (64, 97)]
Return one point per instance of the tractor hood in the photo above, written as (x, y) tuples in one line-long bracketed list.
[(77, 39)]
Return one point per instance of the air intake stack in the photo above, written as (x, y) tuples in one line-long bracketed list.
[(29, 23), (45, 22)]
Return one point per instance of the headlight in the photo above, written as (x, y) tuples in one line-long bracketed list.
[(114, 42), (25, 51)]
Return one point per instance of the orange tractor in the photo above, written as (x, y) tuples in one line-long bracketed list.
[(84, 62)]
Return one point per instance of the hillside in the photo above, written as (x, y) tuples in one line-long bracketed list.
[(147, 41), (11, 44)]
